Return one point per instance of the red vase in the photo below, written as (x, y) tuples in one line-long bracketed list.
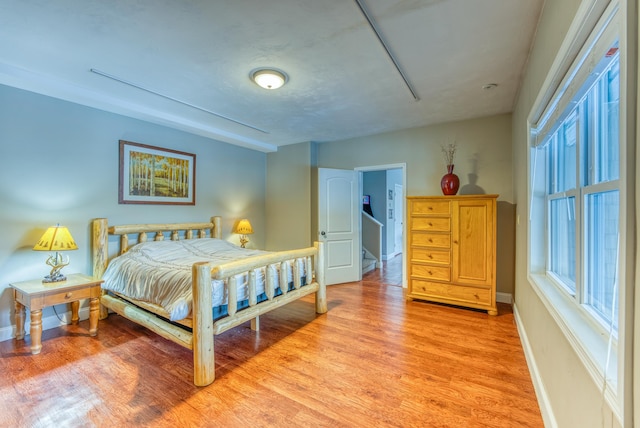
[(450, 182)]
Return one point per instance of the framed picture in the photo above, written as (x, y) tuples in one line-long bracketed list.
[(153, 175)]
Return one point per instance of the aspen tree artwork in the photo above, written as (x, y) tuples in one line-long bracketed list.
[(154, 175)]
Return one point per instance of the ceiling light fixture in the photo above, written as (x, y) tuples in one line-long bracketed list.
[(489, 86), (268, 78)]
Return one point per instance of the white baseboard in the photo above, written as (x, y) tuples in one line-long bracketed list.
[(504, 298), (49, 322), (543, 399)]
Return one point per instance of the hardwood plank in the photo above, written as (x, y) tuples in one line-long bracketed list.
[(372, 360)]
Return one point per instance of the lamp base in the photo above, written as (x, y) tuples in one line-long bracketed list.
[(58, 277)]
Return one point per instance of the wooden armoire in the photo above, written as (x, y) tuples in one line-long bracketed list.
[(451, 254)]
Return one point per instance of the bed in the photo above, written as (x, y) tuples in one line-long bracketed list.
[(263, 281)]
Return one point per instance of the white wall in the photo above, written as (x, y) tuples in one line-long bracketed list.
[(60, 165)]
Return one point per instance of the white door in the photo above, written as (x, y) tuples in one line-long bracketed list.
[(398, 218), (339, 226)]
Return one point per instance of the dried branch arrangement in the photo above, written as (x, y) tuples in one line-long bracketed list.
[(449, 152)]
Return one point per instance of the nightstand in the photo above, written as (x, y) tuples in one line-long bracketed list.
[(37, 295)]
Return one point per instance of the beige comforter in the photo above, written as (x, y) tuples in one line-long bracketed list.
[(159, 272)]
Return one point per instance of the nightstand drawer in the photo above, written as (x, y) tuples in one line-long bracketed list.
[(67, 296), (52, 297)]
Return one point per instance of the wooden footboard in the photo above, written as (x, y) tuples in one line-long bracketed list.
[(200, 340)]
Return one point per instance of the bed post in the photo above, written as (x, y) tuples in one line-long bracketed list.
[(100, 253), (203, 356), (216, 231), (321, 294)]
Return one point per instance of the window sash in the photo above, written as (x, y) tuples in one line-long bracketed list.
[(580, 167)]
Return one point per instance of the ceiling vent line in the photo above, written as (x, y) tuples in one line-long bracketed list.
[(117, 79), (374, 27)]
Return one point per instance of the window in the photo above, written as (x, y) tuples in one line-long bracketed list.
[(582, 173)]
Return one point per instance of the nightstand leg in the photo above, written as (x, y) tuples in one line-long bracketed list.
[(19, 321), (74, 312), (36, 331), (94, 312)]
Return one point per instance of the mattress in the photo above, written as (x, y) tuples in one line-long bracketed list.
[(160, 272)]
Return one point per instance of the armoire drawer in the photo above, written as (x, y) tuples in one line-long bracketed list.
[(426, 239), (442, 257), (433, 224), (430, 207), (438, 273), (450, 293)]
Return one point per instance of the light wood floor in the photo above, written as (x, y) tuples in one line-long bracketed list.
[(373, 360)]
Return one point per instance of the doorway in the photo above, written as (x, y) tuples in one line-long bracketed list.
[(385, 187)]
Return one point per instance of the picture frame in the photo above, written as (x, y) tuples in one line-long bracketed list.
[(156, 175)]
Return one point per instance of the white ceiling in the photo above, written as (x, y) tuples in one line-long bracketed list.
[(186, 63)]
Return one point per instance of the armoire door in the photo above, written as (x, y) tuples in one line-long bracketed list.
[(473, 232)]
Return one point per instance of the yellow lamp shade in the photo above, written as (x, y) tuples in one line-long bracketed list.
[(244, 227), (56, 238)]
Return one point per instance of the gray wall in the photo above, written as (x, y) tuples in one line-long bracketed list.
[(289, 198), (378, 184), (484, 149), (60, 165), (570, 394), (374, 184), (394, 176), (483, 159)]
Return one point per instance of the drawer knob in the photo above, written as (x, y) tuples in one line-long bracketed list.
[(430, 224), (430, 273), (68, 295), (430, 256)]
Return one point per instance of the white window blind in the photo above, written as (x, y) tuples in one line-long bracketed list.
[(584, 70)]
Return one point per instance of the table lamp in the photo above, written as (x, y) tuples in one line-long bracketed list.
[(56, 238), (244, 228)]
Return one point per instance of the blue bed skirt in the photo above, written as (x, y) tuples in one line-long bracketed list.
[(221, 311)]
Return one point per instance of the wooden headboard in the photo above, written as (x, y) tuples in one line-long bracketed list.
[(101, 231)]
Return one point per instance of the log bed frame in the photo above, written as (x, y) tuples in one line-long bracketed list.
[(203, 327)]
